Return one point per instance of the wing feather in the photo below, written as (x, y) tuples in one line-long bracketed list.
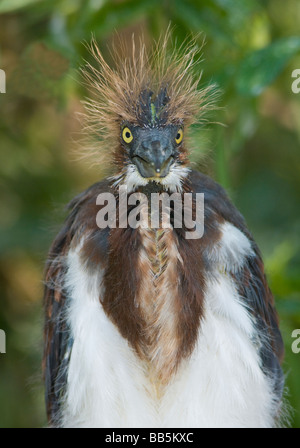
[(57, 335), (250, 280)]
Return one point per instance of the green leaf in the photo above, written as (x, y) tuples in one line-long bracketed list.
[(262, 67), (13, 5), (197, 17), (119, 14)]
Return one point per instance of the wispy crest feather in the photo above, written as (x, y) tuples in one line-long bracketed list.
[(117, 93)]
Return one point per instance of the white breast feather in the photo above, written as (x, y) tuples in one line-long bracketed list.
[(230, 251), (221, 385)]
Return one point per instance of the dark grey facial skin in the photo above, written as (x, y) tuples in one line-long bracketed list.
[(152, 150)]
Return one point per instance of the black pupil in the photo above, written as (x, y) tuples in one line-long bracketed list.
[(178, 136), (127, 134)]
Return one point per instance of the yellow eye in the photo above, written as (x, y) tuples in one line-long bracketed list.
[(127, 135), (179, 136)]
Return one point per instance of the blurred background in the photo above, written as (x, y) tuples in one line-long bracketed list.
[(252, 48)]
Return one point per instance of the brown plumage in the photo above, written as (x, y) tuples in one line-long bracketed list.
[(130, 311)]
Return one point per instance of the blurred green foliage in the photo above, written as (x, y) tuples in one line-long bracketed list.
[(251, 49)]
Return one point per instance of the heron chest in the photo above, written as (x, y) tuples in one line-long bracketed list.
[(213, 380)]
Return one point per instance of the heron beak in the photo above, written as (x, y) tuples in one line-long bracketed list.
[(153, 160)]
